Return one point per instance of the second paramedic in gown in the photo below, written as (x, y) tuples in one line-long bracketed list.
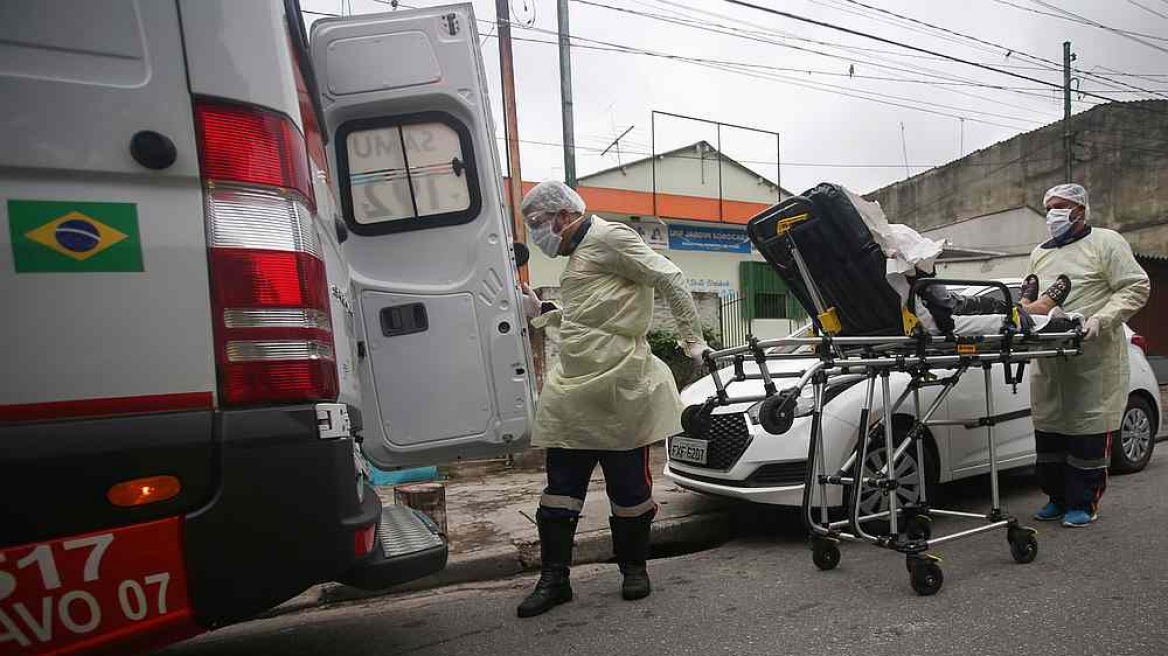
[(1078, 402), (608, 397)]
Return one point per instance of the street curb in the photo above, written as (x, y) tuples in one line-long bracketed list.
[(501, 562)]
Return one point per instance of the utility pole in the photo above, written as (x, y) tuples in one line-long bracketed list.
[(1068, 140), (514, 172), (566, 96), (511, 123)]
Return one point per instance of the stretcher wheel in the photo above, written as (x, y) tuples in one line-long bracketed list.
[(1023, 544), (777, 413), (694, 420), (925, 576), (825, 554), (919, 527)]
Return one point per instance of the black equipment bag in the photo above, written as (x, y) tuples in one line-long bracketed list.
[(842, 258)]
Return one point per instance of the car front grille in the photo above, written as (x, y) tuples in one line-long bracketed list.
[(779, 473), (728, 439)]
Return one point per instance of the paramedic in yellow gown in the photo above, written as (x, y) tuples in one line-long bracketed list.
[(608, 397), (1078, 402)]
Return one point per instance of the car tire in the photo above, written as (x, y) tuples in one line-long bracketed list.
[(1137, 437), (871, 502)]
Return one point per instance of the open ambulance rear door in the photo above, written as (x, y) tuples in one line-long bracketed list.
[(443, 348)]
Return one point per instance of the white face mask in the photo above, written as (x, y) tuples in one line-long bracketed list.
[(545, 238), (1058, 222)]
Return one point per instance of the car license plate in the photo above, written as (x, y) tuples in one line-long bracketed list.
[(687, 449), (80, 592)]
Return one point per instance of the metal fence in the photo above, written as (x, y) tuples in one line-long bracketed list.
[(735, 321)]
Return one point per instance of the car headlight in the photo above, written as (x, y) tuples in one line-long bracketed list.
[(804, 406)]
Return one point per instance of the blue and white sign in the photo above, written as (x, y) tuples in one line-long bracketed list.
[(654, 233), (719, 240)]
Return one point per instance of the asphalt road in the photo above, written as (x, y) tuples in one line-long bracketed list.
[(1100, 590)]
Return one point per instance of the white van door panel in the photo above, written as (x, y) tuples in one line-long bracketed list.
[(446, 365)]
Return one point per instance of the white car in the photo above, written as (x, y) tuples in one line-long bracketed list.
[(743, 461)]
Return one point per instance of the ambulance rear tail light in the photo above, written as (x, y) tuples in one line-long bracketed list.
[(269, 292), (1140, 341), (248, 145)]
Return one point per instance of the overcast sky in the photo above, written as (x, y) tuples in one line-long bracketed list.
[(755, 73)]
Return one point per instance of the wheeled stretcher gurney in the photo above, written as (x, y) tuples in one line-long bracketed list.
[(875, 309)]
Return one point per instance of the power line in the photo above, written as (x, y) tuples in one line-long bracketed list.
[(996, 46), (734, 32), (839, 6), (1051, 65), (829, 88), (742, 32), (809, 71), (1101, 26), (811, 21), (1148, 9), (1080, 21)]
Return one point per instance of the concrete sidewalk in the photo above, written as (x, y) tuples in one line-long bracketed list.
[(490, 510)]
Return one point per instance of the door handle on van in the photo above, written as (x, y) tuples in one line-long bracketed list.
[(397, 320)]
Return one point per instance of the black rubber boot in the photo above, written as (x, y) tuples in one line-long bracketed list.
[(555, 547), (630, 543)]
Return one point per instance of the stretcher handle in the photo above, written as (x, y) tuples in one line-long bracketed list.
[(925, 283)]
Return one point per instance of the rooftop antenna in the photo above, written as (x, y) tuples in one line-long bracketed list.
[(616, 143)]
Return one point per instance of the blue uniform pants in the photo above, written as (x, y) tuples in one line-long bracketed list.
[(626, 477)]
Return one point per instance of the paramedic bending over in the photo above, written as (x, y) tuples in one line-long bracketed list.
[(608, 397), (1078, 402)]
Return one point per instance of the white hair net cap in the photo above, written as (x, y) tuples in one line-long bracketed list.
[(1075, 193), (548, 198)]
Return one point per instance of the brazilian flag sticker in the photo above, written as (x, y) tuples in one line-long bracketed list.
[(50, 236)]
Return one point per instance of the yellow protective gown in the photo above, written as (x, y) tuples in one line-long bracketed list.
[(608, 391), (1087, 394)]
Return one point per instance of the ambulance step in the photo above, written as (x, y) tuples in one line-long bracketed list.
[(411, 547), (405, 531)]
